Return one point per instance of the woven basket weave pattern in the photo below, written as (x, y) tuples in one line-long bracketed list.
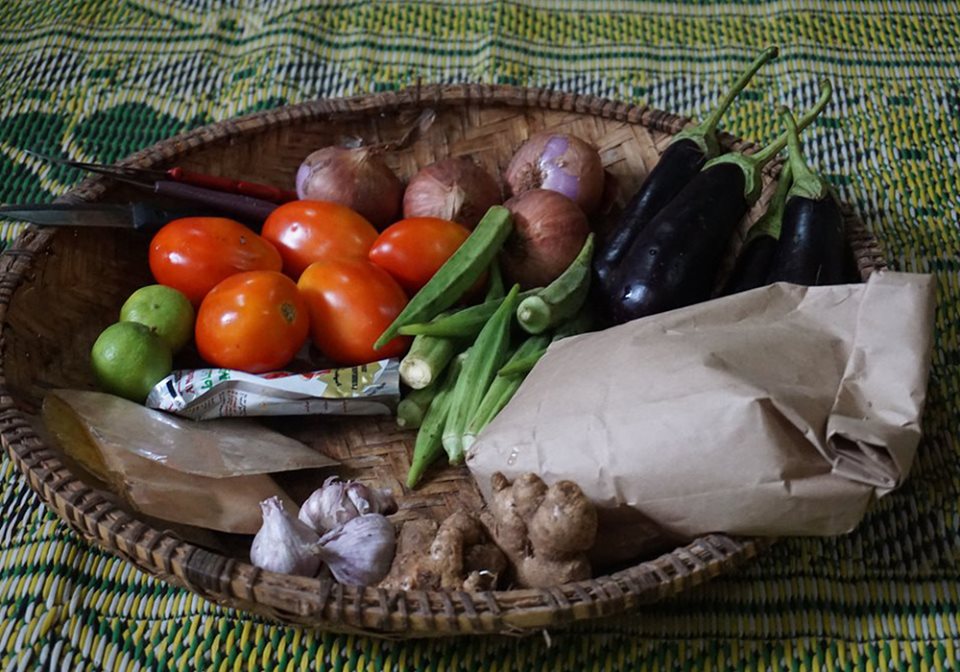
[(87, 274)]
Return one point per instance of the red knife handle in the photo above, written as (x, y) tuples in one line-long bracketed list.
[(217, 183), (252, 211)]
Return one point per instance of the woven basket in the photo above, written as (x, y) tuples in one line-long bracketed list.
[(60, 288)]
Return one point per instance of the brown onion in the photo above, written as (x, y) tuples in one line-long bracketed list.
[(549, 230), (454, 189), (558, 162), (357, 178)]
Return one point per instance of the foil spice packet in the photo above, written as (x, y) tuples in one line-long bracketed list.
[(203, 394)]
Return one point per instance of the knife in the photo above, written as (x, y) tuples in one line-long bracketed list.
[(138, 216)]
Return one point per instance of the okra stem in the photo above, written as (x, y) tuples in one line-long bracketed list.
[(414, 405), (426, 359)]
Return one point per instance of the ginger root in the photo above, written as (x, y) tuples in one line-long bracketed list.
[(458, 556), (545, 532)]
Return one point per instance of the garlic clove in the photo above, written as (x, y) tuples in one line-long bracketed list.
[(284, 544), (328, 507), (338, 502), (359, 552), (371, 500)]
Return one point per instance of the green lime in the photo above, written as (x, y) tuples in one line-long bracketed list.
[(165, 310), (129, 359)]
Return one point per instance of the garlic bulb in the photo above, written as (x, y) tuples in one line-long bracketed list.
[(337, 502), (284, 544), (360, 551)]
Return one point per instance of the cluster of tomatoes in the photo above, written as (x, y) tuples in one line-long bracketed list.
[(318, 270)]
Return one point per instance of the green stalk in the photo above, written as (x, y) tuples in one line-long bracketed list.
[(705, 133), (753, 164), (769, 223), (426, 359), (806, 183)]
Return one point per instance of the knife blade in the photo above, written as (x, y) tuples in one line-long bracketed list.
[(138, 216)]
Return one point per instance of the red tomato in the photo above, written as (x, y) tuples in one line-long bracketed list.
[(254, 321), (309, 231), (413, 249), (351, 303), (193, 254)]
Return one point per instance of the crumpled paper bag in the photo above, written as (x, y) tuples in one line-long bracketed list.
[(780, 411)]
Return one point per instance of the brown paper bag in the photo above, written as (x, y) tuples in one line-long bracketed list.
[(211, 475), (779, 411)]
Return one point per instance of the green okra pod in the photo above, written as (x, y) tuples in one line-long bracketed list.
[(486, 356), (413, 406), (465, 323), (502, 389), (457, 274), (429, 446), (561, 298)]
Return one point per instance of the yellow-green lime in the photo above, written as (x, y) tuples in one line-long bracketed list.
[(129, 359), (165, 310)]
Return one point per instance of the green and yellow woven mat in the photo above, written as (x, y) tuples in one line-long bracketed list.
[(98, 79)]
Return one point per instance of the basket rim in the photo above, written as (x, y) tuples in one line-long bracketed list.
[(318, 603)]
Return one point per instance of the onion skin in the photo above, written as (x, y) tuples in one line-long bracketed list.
[(559, 162), (455, 189), (357, 178), (549, 230)]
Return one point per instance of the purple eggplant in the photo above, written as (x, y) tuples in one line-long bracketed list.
[(756, 256), (683, 159), (675, 259), (812, 249)]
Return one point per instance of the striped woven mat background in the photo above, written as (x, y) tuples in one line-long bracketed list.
[(98, 79)]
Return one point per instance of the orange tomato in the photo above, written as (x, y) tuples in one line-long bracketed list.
[(193, 254), (254, 322), (308, 231), (351, 302), (413, 250)]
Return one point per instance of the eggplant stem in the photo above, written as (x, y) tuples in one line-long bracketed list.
[(709, 125), (752, 165), (769, 224), (704, 134), (806, 183), (767, 153)]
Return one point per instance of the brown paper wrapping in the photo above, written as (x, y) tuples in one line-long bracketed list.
[(779, 411), (211, 475)]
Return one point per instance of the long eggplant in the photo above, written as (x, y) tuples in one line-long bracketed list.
[(675, 259), (756, 256), (812, 249), (681, 161)]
